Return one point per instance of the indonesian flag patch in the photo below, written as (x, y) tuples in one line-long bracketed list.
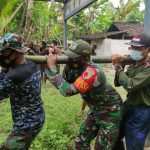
[(86, 80), (136, 38)]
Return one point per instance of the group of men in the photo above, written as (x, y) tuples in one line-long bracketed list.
[(43, 49), (108, 120)]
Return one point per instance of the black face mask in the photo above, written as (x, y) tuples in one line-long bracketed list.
[(75, 64), (5, 62)]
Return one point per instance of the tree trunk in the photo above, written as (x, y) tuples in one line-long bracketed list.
[(23, 19), (28, 21)]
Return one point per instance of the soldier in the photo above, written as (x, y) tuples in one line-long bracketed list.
[(89, 80), (136, 81), (20, 81)]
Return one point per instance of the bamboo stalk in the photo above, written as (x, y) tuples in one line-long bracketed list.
[(64, 59)]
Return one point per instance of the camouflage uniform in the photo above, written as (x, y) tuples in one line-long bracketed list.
[(105, 104), (22, 85)]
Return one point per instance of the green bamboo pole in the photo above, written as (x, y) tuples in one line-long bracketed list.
[(64, 59)]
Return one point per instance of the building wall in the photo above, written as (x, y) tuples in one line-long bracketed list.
[(107, 47)]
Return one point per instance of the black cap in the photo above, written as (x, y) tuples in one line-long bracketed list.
[(141, 40)]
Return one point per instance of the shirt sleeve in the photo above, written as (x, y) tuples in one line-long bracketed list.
[(5, 86), (84, 82), (141, 80), (65, 88), (70, 76)]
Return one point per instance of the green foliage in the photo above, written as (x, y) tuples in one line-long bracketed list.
[(45, 22), (7, 9), (105, 19), (46, 26), (135, 15), (129, 11), (3, 5)]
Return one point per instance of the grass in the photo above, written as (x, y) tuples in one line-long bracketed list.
[(61, 124)]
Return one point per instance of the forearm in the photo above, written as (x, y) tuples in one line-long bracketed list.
[(60, 83)]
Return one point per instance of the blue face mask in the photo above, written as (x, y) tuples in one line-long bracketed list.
[(136, 55)]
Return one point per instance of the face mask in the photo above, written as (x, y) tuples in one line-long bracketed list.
[(136, 55), (74, 64), (6, 62)]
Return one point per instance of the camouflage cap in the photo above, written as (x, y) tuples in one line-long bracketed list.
[(12, 41), (78, 48)]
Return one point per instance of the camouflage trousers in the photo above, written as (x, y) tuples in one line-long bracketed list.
[(105, 128), (18, 141)]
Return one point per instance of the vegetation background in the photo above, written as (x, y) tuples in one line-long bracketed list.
[(38, 20)]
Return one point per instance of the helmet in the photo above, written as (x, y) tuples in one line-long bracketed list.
[(78, 48), (12, 41)]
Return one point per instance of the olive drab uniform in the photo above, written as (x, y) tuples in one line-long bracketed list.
[(105, 104), (136, 120)]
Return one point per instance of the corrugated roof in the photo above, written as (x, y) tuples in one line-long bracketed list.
[(135, 28), (101, 35), (117, 28)]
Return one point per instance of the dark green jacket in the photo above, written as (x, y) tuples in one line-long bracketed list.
[(136, 81)]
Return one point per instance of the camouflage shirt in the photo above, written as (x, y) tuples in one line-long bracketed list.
[(23, 85), (91, 83)]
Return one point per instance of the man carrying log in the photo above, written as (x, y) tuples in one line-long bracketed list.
[(20, 80), (103, 119), (136, 81)]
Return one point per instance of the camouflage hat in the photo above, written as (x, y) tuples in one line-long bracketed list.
[(12, 41), (78, 48)]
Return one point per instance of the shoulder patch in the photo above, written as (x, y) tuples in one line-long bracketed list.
[(88, 73), (86, 80)]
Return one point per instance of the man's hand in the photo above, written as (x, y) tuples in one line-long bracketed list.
[(67, 68), (116, 59), (51, 60)]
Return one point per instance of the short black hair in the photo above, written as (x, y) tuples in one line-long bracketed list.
[(44, 43), (55, 42)]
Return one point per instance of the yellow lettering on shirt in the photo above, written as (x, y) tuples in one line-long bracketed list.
[(82, 84)]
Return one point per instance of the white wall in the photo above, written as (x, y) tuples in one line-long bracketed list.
[(106, 47), (119, 47)]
